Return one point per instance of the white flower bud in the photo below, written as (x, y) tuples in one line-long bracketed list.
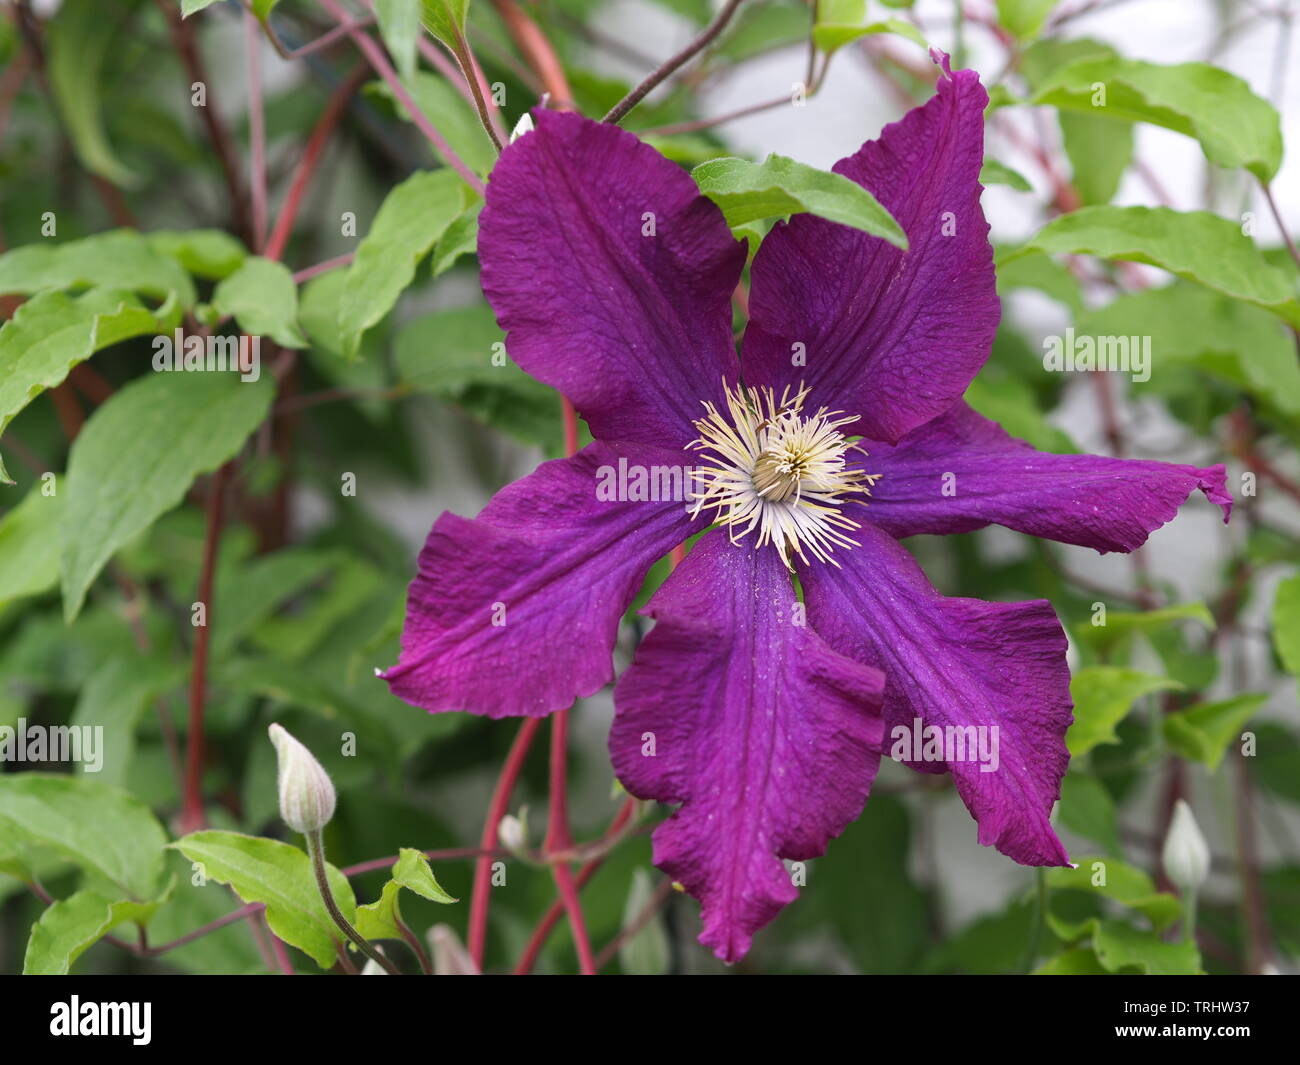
[(524, 125), (1186, 855), (306, 794), (512, 831), (450, 958)]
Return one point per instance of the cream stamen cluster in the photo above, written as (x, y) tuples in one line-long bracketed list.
[(778, 471)]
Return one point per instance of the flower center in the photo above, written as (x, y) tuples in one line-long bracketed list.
[(778, 471)]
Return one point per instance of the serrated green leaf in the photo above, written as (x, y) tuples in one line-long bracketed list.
[(378, 920), (412, 218), (100, 829), (138, 454), (120, 259), (113, 699), (281, 877), (1203, 732), (779, 186), (1103, 696), (1235, 127), (263, 299), (52, 332), (1194, 245), (69, 927)]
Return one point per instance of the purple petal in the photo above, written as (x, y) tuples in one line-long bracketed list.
[(959, 663), (516, 611), (892, 336), (635, 329), (767, 737), (962, 472)]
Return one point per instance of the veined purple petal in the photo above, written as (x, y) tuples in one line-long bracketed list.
[(894, 337), (962, 472), (961, 665), (612, 277), (516, 611), (768, 738)]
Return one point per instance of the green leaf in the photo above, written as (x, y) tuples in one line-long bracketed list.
[(841, 21), (281, 877), (100, 829), (78, 39), (262, 297), (1087, 808), (779, 186), (190, 7), (209, 253), (459, 355), (1024, 18), (1010, 402), (250, 593), (51, 333), (1078, 961), (113, 699), (411, 219), (1235, 127), (399, 23), (1100, 151), (70, 926), (263, 8), (455, 117), (460, 238), (27, 565), (445, 19), (119, 259), (1121, 946), (1039, 272), (378, 920), (1103, 696), (1203, 732), (1113, 879), (1286, 624), (995, 173), (139, 453), (1121, 625), (1194, 245), (646, 953), (1232, 341)]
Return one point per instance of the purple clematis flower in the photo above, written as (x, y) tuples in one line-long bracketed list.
[(831, 437)]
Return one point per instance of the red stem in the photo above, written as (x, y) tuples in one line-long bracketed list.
[(478, 905), (192, 812), (311, 155)]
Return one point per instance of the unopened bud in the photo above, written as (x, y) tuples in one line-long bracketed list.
[(1186, 855), (306, 794), (512, 831), (450, 958)]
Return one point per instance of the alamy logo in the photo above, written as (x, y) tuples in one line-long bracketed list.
[(1070, 354), (53, 743), (950, 743), (102, 1018), (179, 352), (626, 483)]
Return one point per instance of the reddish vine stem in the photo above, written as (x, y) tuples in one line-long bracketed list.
[(192, 816), (537, 52), (559, 837), (311, 156), (552, 916), (662, 894), (478, 905)]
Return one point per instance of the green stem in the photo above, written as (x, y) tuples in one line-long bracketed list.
[(316, 849), (1189, 919)]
